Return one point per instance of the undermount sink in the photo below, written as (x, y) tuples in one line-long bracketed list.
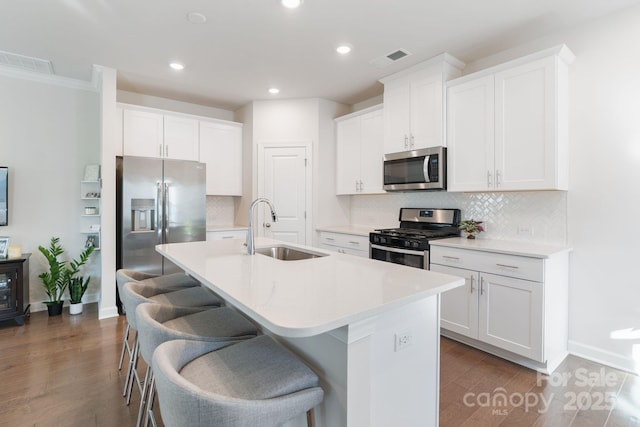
[(287, 253)]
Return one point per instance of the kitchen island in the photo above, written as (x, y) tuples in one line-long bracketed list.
[(369, 329)]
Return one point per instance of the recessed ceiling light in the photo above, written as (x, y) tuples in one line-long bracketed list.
[(196, 18), (343, 49), (176, 66), (274, 90), (291, 4)]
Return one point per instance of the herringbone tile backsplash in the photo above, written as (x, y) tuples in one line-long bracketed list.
[(539, 216)]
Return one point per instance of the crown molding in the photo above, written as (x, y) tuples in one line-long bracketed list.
[(50, 79)]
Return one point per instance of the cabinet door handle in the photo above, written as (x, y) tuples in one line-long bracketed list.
[(354, 243), (482, 286), (497, 178), (508, 266), (411, 141), (166, 151), (406, 141), (471, 284), (160, 150), (489, 176), (455, 258), (360, 186)]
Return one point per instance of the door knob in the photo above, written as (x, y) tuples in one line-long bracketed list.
[(268, 224)]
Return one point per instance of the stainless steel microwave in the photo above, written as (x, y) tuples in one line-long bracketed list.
[(424, 169)]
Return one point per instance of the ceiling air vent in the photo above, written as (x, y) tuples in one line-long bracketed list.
[(390, 58), (25, 63)]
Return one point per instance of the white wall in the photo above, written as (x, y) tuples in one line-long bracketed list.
[(173, 105), (48, 133), (296, 120)]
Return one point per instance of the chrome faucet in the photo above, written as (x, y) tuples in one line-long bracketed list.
[(250, 244)]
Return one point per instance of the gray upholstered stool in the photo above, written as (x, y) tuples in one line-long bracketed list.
[(253, 383), (159, 323), (136, 293), (169, 282)]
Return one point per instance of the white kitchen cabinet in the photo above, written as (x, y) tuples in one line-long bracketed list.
[(359, 152), (180, 138), (414, 104), (240, 233), (119, 137), (512, 306), (507, 126), (142, 133), (221, 150), (351, 244), (157, 135)]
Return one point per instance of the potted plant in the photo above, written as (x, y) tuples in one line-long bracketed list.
[(77, 287), (60, 274), (471, 228)]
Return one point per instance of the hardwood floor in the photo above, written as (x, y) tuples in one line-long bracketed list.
[(478, 389), (62, 372)]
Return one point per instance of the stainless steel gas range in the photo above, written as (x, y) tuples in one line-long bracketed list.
[(409, 244)]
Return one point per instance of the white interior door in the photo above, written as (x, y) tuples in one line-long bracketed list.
[(285, 179)]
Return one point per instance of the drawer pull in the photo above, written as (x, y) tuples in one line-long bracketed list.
[(227, 237), (508, 266), (354, 243), (329, 238), (450, 257)]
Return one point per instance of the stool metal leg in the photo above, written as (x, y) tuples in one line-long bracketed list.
[(132, 356), (125, 346), (134, 373), (144, 396), (150, 400), (311, 419)]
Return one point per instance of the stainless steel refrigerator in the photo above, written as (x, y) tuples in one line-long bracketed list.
[(159, 201)]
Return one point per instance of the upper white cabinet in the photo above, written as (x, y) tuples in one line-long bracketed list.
[(507, 126), (414, 104), (359, 152), (221, 150), (153, 134)]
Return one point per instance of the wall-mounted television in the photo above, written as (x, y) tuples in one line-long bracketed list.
[(4, 195)]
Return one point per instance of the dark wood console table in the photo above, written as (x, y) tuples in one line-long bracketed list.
[(14, 288)]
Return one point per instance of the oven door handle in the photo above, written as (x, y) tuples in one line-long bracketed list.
[(397, 250)]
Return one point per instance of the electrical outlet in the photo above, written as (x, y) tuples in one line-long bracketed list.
[(525, 230), (403, 340)]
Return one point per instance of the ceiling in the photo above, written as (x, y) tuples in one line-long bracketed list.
[(248, 46)]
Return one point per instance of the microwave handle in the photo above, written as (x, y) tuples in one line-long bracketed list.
[(425, 169)]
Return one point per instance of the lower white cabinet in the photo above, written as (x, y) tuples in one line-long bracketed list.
[(351, 244), (226, 234), (509, 302)]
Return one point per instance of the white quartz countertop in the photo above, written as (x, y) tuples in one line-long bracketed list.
[(534, 250), (227, 228), (347, 229), (306, 297)]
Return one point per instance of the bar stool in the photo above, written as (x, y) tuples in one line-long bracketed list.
[(159, 323), (253, 383), (170, 282), (136, 293)]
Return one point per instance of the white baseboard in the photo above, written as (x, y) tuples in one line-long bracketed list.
[(604, 357), (107, 312)]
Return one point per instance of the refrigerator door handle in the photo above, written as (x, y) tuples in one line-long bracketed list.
[(166, 213), (159, 214)]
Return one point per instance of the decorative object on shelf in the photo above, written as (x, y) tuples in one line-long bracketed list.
[(91, 242), (60, 273), (15, 251), (4, 195), (92, 172), (471, 228), (4, 246), (91, 210)]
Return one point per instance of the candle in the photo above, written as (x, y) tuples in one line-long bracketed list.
[(15, 251)]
